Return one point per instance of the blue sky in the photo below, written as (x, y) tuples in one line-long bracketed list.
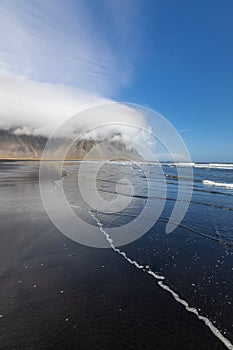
[(173, 56)]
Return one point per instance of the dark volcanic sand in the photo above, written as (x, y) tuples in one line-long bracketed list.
[(57, 294)]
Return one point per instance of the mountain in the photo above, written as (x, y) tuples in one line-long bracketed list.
[(14, 146)]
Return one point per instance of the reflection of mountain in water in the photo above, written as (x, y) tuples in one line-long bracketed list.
[(31, 147)]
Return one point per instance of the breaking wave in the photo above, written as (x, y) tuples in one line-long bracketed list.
[(226, 166), (217, 184)]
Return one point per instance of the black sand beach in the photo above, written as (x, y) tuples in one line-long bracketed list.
[(58, 294)]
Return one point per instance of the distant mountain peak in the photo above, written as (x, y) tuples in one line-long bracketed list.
[(13, 146)]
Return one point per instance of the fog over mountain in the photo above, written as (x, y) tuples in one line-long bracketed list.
[(31, 111), (13, 146)]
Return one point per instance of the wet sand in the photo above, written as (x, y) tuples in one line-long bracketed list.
[(58, 294)]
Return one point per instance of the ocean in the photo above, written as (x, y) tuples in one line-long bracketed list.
[(151, 290)]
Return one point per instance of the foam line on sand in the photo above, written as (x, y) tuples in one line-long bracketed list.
[(160, 281)]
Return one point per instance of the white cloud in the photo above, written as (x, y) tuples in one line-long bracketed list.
[(60, 57), (67, 42), (39, 108), (184, 130)]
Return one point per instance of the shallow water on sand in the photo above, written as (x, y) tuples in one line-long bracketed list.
[(58, 294)]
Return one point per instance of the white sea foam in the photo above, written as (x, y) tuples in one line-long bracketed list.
[(214, 166), (164, 286), (217, 184), (226, 166), (183, 164)]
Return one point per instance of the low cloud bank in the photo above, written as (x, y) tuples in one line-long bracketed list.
[(37, 108)]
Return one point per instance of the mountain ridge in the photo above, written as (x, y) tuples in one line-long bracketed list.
[(30, 147)]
